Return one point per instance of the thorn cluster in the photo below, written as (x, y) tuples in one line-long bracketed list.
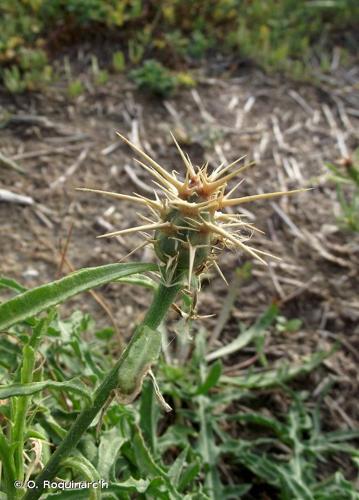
[(188, 224)]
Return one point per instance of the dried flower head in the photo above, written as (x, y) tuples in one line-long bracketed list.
[(187, 219)]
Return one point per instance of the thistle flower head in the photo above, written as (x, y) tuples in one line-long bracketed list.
[(188, 225)]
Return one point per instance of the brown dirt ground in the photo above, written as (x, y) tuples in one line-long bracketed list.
[(290, 129)]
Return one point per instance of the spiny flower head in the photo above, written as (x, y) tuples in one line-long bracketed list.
[(187, 220)]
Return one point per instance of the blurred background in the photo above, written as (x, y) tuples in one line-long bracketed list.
[(276, 80)]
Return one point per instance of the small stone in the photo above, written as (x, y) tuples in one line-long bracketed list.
[(30, 273)]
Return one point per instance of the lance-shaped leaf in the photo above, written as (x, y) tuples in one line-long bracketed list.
[(41, 298), (11, 390)]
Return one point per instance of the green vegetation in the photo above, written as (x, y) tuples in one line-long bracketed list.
[(155, 78), (137, 449), (118, 61), (346, 178), (287, 35), (75, 89)]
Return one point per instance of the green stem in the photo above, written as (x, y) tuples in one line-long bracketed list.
[(21, 403), (164, 297), (8, 465), (162, 300)]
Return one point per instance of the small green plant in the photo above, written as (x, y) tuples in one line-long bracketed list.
[(346, 175), (31, 73), (136, 50), (288, 325), (152, 76), (118, 61), (185, 79), (75, 89), (100, 76), (13, 80)]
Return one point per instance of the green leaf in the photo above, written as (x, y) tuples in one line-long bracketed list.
[(207, 446), (110, 445), (149, 415), (11, 390), (11, 284), (279, 476), (87, 472), (189, 474), (295, 486), (144, 459), (282, 374), (208, 449), (131, 485), (288, 325), (336, 488), (53, 428), (140, 280), (41, 298), (175, 435), (67, 495), (211, 379), (88, 448), (105, 334), (176, 469), (236, 491), (261, 420), (261, 466), (9, 354), (246, 337), (339, 436), (148, 466)]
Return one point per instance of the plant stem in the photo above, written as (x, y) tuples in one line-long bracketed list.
[(21, 403), (162, 300), (7, 465)]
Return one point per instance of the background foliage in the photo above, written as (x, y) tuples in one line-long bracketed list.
[(288, 35)]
